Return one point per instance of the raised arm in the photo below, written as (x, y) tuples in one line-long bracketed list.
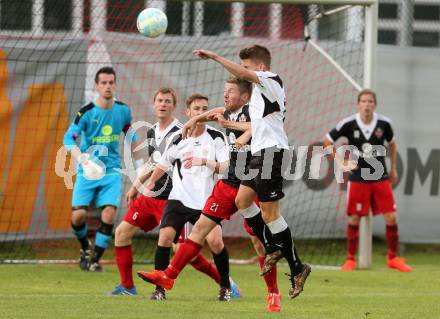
[(189, 126), (234, 68)]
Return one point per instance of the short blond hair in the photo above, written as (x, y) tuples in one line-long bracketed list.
[(365, 92), (166, 90)]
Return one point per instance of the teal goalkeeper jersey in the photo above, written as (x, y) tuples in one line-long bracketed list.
[(100, 130)]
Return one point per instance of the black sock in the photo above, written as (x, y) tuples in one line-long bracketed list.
[(283, 239), (99, 251), (162, 258), (222, 263), (261, 230), (102, 240), (84, 241)]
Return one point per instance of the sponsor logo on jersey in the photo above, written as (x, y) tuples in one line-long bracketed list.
[(356, 134), (107, 130), (106, 136)]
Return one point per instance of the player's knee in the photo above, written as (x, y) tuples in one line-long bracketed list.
[(354, 219), (242, 202), (122, 236), (108, 214), (78, 216), (390, 218), (216, 244), (166, 237)]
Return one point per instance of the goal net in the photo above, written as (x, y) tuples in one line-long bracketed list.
[(50, 51)]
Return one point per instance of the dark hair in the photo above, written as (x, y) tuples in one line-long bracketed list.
[(104, 70), (166, 90), (256, 53), (243, 85), (365, 92), (193, 97)]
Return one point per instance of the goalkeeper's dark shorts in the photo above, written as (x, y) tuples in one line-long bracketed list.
[(268, 183)]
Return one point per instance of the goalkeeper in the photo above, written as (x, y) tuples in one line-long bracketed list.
[(100, 124)]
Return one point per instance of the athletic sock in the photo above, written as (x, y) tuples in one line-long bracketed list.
[(124, 260), (162, 258), (260, 230), (282, 239), (270, 278), (352, 241), (186, 251), (392, 237), (81, 234), (103, 238), (221, 260), (203, 265)]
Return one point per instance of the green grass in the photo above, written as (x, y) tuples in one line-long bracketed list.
[(66, 292)]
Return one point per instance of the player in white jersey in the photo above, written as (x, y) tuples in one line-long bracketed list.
[(195, 162), (269, 140)]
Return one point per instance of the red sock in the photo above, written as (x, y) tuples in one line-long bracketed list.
[(392, 236), (203, 265), (124, 260), (270, 278), (187, 251), (352, 240)]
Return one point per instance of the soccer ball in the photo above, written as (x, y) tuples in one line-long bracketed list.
[(152, 22)]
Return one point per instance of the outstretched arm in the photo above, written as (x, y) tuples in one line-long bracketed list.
[(234, 68), (233, 125), (210, 115)]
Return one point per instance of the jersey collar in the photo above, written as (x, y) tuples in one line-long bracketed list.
[(367, 129), (160, 135)]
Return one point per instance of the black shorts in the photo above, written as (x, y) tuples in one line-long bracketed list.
[(268, 184), (176, 214)]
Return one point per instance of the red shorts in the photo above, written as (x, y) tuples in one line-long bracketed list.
[(221, 203), (145, 212), (378, 195)]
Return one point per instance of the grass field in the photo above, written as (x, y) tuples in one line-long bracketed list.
[(60, 291)]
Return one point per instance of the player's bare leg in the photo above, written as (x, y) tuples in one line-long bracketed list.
[(392, 238), (282, 239), (79, 228), (124, 258), (352, 242)]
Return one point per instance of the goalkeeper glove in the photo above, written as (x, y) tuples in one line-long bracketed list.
[(91, 170)]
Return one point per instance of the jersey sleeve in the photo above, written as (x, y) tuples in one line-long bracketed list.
[(389, 133), (130, 133), (74, 131), (339, 131), (169, 156), (221, 149), (270, 84)]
